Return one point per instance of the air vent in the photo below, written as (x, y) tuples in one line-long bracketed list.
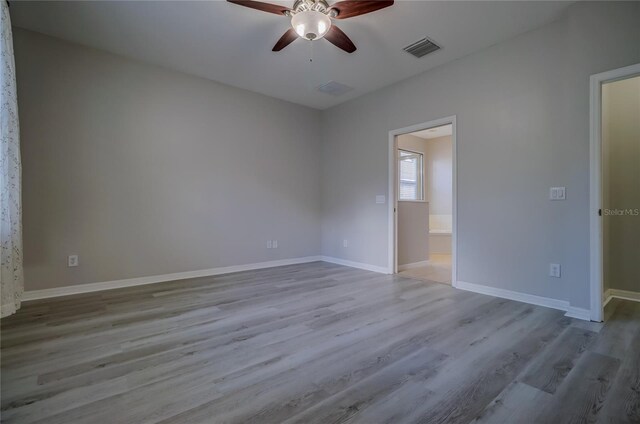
[(422, 47), (334, 88)]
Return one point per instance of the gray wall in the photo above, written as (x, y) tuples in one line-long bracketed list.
[(523, 126), (621, 183), (143, 171)]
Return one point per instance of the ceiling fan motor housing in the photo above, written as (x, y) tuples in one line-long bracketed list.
[(317, 5), (311, 24)]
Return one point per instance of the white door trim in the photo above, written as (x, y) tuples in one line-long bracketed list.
[(393, 198), (595, 183)]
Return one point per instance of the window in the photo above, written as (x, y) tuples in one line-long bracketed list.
[(410, 173)]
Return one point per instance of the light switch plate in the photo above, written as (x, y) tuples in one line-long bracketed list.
[(557, 193), (554, 270), (72, 260), (380, 198)]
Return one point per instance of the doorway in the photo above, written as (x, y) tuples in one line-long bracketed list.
[(615, 187), (422, 193)]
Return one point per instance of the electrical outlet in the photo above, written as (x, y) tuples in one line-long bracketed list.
[(269, 244), (557, 193), (554, 270), (345, 243), (72, 260), (274, 244)]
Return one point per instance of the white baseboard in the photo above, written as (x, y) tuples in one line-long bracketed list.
[(621, 294), (607, 297), (352, 264), (412, 265), (562, 305), (573, 312), (578, 313), (513, 295), (130, 282)]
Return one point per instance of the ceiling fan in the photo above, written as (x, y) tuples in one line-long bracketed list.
[(311, 19)]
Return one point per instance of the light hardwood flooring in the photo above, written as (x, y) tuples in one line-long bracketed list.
[(438, 269), (314, 343)]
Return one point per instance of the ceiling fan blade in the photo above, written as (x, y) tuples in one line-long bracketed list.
[(350, 8), (265, 7), (285, 40), (339, 39)]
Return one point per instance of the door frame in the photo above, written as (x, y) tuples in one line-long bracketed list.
[(393, 193), (596, 276)]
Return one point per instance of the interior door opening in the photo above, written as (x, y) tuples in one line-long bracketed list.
[(423, 194), (615, 188), (621, 188)]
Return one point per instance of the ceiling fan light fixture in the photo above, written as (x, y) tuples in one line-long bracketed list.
[(311, 24), (311, 19)]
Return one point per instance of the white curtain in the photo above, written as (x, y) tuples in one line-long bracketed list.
[(11, 280)]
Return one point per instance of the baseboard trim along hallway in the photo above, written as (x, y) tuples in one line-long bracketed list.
[(621, 294), (139, 281), (562, 305), (359, 265), (153, 279), (578, 313)]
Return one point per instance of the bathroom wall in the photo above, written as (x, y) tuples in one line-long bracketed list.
[(413, 217), (439, 182), (621, 184)]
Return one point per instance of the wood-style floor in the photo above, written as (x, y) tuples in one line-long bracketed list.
[(314, 343), (438, 269)]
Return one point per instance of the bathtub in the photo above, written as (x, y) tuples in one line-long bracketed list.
[(440, 234)]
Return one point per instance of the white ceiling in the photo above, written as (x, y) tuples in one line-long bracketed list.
[(232, 44), (434, 132)]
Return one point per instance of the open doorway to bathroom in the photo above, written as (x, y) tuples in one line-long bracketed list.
[(424, 203), (614, 190)]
